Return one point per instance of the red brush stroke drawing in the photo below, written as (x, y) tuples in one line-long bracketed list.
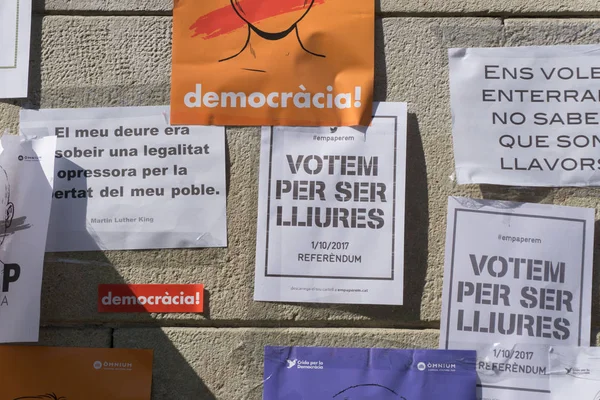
[(248, 13)]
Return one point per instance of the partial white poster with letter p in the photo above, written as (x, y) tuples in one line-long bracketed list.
[(15, 36), (526, 116), (517, 280), (126, 179), (26, 173), (331, 212)]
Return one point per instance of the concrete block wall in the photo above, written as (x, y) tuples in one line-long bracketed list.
[(94, 53)]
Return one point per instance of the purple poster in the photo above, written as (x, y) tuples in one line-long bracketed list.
[(320, 373)]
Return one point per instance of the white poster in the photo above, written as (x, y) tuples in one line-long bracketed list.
[(574, 373), (331, 212), (517, 279), (15, 34), (526, 116), (26, 173), (126, 179)]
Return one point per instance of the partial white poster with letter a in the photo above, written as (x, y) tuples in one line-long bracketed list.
[(517, 280), (15, 35), (126, 179), (26, 173), (331, 212), (526, 116)]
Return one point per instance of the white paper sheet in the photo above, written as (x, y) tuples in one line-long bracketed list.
[(163, 189), (331, 212), (574, 373), (26, 173), (15, 35), (517, 279), (526, 116)]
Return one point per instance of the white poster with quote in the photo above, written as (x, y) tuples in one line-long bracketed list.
[(126, 179), (331, 212), (15, 35), (526, 116), (517, 280), (26, 173)]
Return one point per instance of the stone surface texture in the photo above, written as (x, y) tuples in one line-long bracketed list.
[(454, 7), (96, 53)]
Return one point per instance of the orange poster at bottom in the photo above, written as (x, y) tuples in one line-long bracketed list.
[(55, 373)]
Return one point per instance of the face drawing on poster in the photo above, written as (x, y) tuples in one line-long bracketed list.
[(235, 62), (249, 12), (26, 168), (8, 208), (368, 391), (49, 396), (362, 373), (72, 373), (10, 272)]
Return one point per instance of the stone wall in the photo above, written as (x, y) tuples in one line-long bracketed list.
[(95, 53)]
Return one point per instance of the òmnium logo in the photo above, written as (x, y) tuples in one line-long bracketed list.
[(438, 367), (113, 366), (28, 158), (304, 364)]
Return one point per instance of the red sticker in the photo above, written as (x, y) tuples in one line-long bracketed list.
[(151, 298)]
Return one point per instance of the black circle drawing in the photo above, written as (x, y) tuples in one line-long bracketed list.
[(48, 396), (235, 4), (346, 393)]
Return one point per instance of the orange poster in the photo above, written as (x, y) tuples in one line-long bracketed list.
[(59, 373), (273, 62)]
